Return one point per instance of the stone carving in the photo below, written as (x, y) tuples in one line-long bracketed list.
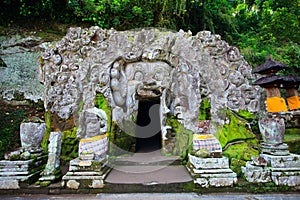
[(126, 67), (94, 122), (92, 134)]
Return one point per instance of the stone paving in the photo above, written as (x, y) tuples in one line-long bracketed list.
[(159, 196)]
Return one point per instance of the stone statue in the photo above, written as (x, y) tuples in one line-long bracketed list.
[(93, 140)]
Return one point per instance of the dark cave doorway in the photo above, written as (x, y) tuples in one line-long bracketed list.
[(148, 130)]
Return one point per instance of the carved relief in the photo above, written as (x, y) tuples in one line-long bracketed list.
[(126, 67)]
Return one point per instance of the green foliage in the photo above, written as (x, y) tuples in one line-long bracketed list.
[(102, 103), (269, 27), (9, 129), (243, 151), (120, 14), (292, 138)]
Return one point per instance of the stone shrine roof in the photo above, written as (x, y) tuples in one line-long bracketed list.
[(273, 80), (270, 66)]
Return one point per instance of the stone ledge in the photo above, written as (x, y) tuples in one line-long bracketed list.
[(215, 182), (209, 163), (288, 161)]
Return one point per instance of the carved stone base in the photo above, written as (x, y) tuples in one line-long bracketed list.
[(275, 149), (282, 170), (84, 174), (211, 172), (14, 173)]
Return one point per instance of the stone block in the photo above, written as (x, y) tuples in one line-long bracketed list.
[(97, 184), (72, 184), (289, 161), (87, 165), (31, 134), (211, 172), (9, 184), (209, 163), (215, 182), (256, 174), (90, 175), (289, 178)]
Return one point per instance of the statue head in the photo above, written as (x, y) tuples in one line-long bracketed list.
[(94, 122)]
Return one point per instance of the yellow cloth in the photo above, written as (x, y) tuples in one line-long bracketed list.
[(276, 104), (293, 102), (98, 137), (203, 137)]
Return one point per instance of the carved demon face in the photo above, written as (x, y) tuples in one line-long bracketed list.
[(150, 78)]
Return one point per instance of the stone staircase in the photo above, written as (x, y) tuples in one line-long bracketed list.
[(150, 171)]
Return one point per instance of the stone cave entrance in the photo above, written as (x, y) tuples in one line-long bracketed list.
[(148, 129)]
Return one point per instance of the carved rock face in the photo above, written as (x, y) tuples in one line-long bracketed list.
[(178, 68)]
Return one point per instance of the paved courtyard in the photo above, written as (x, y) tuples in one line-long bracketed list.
[(158, 196)]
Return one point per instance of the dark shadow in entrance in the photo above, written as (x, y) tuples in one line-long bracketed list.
[(148, 133)]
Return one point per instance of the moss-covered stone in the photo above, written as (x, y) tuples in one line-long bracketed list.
[(184, 137), (204, 110), (44, 183), (69, 149), (237, 129), (120, 141), (236, 164), (44, 143), (242, 151), (102, 103)]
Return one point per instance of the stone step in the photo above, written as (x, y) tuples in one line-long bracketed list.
[(148, 175), (146, 159), (149, 189)]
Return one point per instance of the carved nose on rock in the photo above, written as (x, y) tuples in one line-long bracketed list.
[(149, 82)]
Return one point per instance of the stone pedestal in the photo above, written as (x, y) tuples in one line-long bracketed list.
[(275, 149), (15, 173), (211, 172), (86, 173), (52, 170), (282, 170)]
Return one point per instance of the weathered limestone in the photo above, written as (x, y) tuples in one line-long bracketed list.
[(211, 172), (52, 170), (20, 77)]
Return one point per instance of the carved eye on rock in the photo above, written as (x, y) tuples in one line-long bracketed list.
[(114, 73), (114, 84), (139, 76)]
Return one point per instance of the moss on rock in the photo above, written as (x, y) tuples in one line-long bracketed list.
[(120, 142), (242, 151), (237, 129), (69, 149), (184, 137)]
